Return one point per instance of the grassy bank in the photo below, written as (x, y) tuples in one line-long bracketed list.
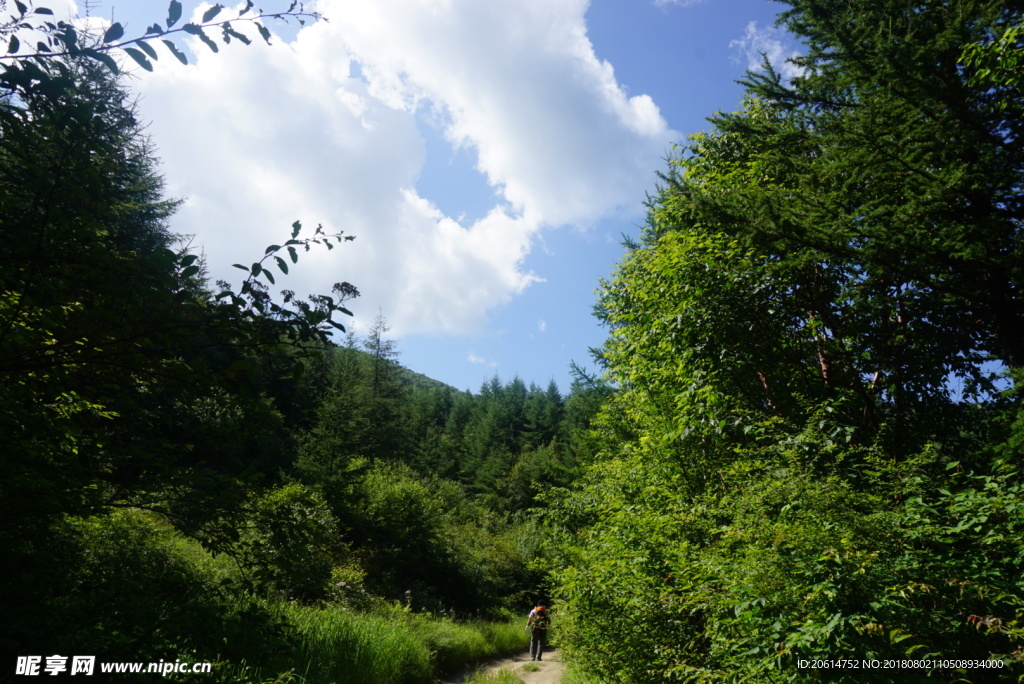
[(390, 646)]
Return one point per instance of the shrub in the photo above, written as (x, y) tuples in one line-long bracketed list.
[(289, 543)]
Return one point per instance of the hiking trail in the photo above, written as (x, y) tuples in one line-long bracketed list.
[(549, 670)]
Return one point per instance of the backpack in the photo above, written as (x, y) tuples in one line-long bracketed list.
[(540, 618)]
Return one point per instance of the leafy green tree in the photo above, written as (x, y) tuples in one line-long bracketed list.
[(423, 541), (816, 272), (126, 382), (103, 382), (889, 153), (289, 543)]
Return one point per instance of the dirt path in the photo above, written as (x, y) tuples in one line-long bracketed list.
[(549, 670)]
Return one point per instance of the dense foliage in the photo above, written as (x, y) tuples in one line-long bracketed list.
[(808, 457)]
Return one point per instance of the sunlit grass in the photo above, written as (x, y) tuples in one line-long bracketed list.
[(497, 677), (392, 646), (571, 674)]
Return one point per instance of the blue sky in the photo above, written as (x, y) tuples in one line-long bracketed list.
[(487, 155)]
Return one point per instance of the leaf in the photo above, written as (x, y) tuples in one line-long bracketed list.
[(103, 57), (272, 248), (173, 13), (175, 51), (68, 36), (230, 33), (189, 259), (113, 33), (296, 227), (256, 268), (190, 271), (248, 6), (139, 58), (898, 635), (270, 276), (147, 48), (155, 29), (209, 14), (13, 45), (263, 32), (196, 30), (43, 10), (281, 264), (241, 267), (22, 9), (293, 254)]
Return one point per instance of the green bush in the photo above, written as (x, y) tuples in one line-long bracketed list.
[(919, 562), (136, 587), (289, 542), (424, 542)]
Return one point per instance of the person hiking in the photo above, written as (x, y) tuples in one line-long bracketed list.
[(537, 625)]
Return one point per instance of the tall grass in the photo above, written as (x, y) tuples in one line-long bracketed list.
[(393, 646), (498, 677), (572, 674)]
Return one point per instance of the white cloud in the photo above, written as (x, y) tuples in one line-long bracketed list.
[(323, 129), (480, 361), (542, 325), (680, 3), (771, 42)]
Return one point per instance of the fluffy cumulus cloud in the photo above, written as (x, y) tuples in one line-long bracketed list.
[(323, 128), (771, 42)]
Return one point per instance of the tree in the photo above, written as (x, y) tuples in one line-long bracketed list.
[(126, 382), (814, 273), (331, 453), (892, 154), (103, 380), (384, 395)]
